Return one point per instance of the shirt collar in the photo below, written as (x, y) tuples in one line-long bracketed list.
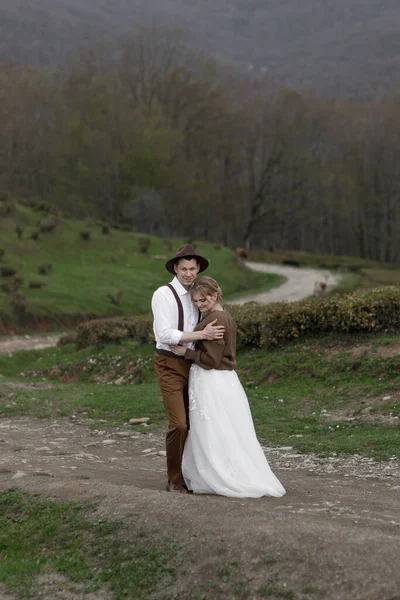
[(179, 287)]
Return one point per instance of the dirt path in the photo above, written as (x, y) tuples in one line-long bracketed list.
[(299, 284), (10, 344), (335, 533)]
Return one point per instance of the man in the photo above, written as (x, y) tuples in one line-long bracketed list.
[(175, 317)]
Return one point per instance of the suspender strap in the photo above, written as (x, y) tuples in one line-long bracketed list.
[(180, 307)]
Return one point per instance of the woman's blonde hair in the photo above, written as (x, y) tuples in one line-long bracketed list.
[(207, 286)]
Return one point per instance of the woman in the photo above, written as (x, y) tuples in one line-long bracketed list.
[(222, 454)]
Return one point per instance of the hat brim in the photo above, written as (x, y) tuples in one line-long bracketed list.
[(203, 262)]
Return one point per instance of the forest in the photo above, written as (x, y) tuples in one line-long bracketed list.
[(340, 48), (158, 139)]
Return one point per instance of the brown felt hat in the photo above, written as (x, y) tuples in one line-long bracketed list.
[(185, 252)]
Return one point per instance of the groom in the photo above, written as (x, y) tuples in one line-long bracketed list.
[(175, 317)]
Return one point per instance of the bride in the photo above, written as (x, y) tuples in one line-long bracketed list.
[(222, 454)]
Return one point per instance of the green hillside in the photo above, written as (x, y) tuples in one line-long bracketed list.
[(85, 273)]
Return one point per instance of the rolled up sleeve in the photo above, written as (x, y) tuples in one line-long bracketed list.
[(164, 315)]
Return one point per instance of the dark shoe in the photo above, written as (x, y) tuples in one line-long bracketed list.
[(176, 487), (185, 487)]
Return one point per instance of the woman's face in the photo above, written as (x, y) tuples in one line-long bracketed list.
[(205, 303)]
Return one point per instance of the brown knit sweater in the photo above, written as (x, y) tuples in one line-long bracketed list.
[(218, 354)]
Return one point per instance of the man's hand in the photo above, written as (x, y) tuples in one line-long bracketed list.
[(179, 350), (213, 332)]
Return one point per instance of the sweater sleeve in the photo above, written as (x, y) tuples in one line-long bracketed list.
[(209, 356)]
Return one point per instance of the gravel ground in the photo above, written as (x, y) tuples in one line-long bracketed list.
[(336, 532)]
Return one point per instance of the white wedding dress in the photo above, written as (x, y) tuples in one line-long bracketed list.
[(222, 454)]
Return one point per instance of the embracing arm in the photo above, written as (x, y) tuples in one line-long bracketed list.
[(164, 314), (208, 353), (209, 357), (210, 332)]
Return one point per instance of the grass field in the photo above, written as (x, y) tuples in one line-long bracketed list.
[(79, 551), (84, 273), (335, 394)]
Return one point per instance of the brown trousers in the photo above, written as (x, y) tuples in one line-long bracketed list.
[(172, 374)]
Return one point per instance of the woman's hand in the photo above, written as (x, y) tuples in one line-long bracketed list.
[(179, 350)]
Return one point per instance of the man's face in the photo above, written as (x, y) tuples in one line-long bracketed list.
[(186, 271)]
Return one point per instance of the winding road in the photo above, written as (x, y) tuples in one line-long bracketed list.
[(299, 284)]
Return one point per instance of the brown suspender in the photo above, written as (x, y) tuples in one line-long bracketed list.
[(180, 307)]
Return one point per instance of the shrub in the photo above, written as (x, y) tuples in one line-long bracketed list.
[(105, 229), (7, 271), (45, 269), (37, 205), (114, 330), (7, 206), (289, 262), (248, 318), (8, 288), (67, 338), (19, 304), (116, 298), (271, 324), (86, 235), (47, 225), (37, 285), (12, 285), (35, 236), (19, 231), (168, 245), (123, 226), (144, 244)]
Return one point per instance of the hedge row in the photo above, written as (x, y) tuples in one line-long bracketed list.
[(361, 311), (114, 330), (271, 324)]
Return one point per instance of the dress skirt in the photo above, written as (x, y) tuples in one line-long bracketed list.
[(222, 454)]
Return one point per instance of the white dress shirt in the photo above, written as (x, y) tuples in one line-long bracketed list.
[(166, 316)]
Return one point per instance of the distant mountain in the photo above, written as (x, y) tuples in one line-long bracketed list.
[(337, 47)]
